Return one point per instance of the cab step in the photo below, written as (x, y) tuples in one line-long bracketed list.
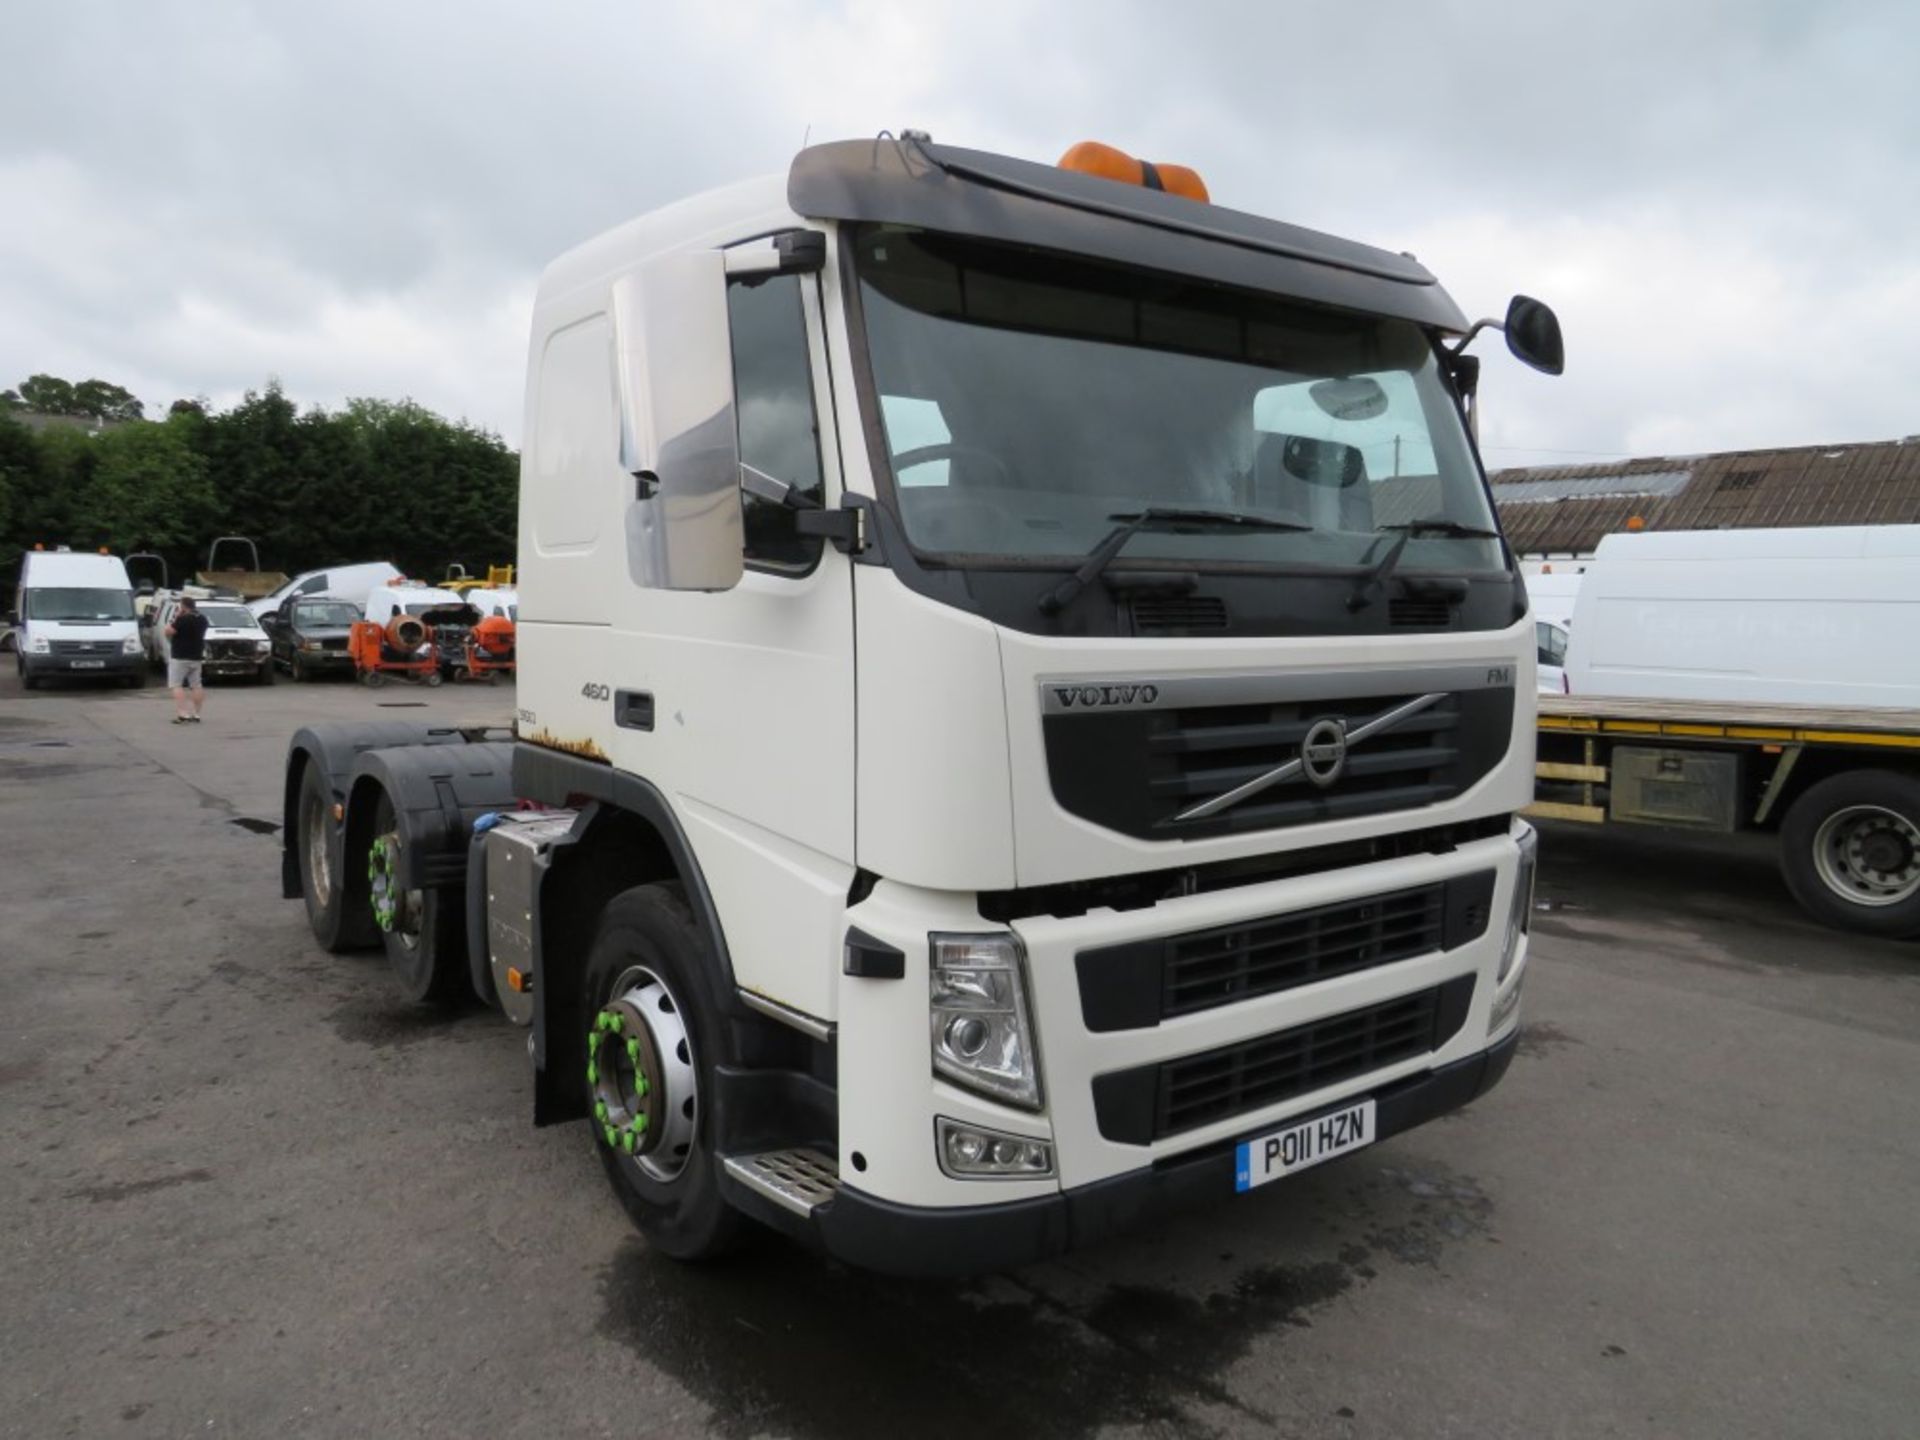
[(796, 1180)]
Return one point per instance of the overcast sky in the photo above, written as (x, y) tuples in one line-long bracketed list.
[(1722, 200)]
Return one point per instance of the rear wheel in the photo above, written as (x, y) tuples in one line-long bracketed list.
[(1850, 850), (424, 931), (656, 1034), (339, 921)]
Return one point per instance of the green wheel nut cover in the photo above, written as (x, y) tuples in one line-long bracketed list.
[(609, 1132), (600, 1111)]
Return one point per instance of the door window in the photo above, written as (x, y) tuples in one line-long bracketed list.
[(773, 397)]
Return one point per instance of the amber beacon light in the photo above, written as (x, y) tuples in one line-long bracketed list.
[(1090, 157)]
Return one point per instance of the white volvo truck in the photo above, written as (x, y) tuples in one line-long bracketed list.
[(1022, 711)]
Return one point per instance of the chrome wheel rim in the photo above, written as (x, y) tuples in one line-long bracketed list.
[(663, 1060), (1868, 855)]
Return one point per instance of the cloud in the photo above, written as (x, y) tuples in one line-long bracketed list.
[(358, 197)]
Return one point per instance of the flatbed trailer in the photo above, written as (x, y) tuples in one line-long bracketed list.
[(1839, 785)]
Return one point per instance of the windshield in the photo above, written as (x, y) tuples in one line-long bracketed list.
[(228, 617), (1028, 400), (77, 604), (326, 612)]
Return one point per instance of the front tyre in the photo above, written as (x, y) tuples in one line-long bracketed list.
[(1850, 851), (656, 1035)]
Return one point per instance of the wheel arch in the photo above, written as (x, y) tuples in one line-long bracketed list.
[(627, 835)]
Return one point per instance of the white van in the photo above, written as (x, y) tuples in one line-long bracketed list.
[(1821, 616), (74, 615), (337, 582), (491, 601), (1553, 593), (385, 601)]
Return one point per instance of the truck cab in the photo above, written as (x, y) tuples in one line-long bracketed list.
[(1034, 702)]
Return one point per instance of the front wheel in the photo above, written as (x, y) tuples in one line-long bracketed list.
[(655, 1038), (1850, 850)]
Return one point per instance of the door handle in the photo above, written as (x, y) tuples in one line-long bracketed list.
[(633, 709)]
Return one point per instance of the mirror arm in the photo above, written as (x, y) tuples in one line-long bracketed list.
[(1477, 326)]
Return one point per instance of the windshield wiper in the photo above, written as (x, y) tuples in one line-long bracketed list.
[(1363, 592), (1172, 517), (1451, 529)]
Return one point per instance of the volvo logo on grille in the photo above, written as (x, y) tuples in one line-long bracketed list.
[(1092, 697), (1323, 751)]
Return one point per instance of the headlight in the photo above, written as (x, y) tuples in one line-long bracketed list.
[(130, 645), (309, 644), (260, 647), (38, 647), (978, 1017), (1521, 913)]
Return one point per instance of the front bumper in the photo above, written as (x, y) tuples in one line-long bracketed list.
[(81, 666), (877, 1234)]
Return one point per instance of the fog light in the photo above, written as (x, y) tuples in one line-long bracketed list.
[(970, 1152)]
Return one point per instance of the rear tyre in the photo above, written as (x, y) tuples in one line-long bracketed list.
[(1850, 851), (340, 921), (652, 967), (424, 931)]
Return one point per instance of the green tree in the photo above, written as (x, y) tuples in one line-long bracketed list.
[(149, 490)]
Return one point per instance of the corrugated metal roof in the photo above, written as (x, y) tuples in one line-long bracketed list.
[(1566, 509)]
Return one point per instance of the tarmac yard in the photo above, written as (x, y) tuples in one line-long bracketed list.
[(249, 1192)]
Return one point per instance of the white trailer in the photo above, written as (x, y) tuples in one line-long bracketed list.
[(1022, 708)]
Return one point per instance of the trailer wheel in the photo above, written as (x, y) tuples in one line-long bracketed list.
[(374, 679), (1850, 849), (656, 1037), (424, 931), (338, 922)]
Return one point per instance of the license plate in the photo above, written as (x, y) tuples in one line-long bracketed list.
[(89, 664), (1302, 1146)]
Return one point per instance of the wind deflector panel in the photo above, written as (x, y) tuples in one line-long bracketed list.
[(994, 197)]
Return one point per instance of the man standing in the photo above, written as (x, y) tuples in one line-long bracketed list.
[(186, 649)]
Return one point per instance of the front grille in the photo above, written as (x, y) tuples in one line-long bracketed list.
[(1141, 983), (1209, 751), (334, 642), (1151, 1102), (1222, 966), (83, 647), (1179, 615), (230, 650), (1137, 766)]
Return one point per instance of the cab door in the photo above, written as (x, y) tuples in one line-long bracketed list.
[(738, 704)]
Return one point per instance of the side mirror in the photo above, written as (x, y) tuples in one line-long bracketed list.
[(1533, 335), (674, 378)]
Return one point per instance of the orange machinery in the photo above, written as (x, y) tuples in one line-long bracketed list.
[(404, 645), (490, 648)]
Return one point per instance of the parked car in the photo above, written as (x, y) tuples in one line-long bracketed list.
[(337, 582), (236, 643), (74, 618), (309, 636), (1552, 640)]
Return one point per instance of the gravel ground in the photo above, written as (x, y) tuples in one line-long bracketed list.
[(252, 1194)]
